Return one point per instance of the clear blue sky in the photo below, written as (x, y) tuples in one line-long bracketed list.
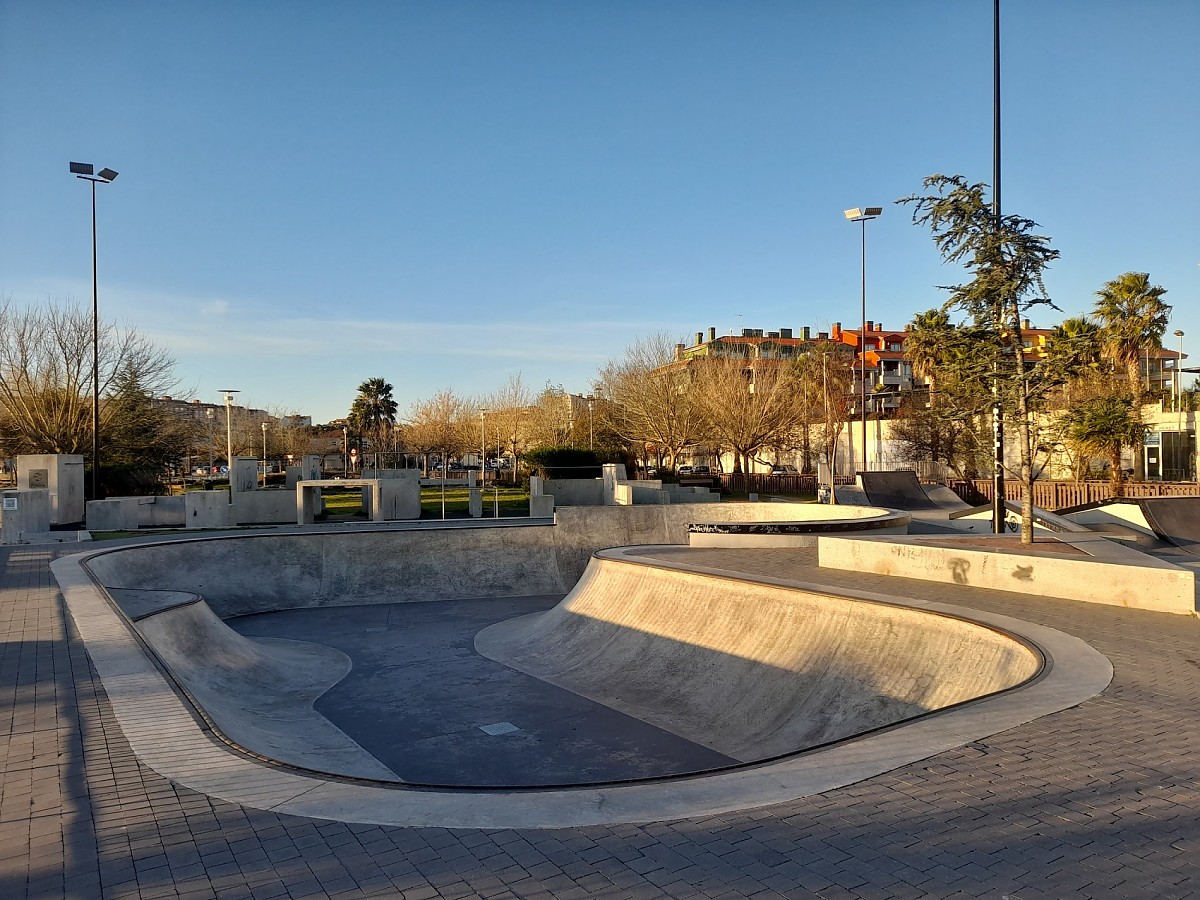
[(444, 193)]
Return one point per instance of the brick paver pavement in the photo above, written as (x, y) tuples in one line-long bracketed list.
[(1101, 800)]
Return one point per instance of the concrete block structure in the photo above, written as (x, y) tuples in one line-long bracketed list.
[(62, 475), (206, 509), (113, 514), (243, 474), (23, 512)]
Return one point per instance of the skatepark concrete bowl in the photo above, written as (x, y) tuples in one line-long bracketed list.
[(756, 672)]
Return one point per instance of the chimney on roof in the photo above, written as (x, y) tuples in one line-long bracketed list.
[(712, 333), (1025, 325), (870, 325), (678, 352), (822, 336), (785, 332), (699, 338), (806, 333)]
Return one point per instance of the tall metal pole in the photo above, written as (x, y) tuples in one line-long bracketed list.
[(1183, 454), (229, 434), (997, 412), (95, 360), (862, 348), (229, 392), (482, 450)]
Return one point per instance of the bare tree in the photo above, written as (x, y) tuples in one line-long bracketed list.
[(508, 418), (746, 405), (828, 367), (46, 375), (647, 400), (441, 424)]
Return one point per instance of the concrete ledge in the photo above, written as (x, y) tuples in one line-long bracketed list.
[(793, 533), (1102, 572)]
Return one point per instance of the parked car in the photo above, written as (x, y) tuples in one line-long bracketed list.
[(784, 470), (702, 470), (685, 470)]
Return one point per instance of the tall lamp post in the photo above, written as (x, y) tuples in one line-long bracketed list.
[(209, 415), (591, 430), (482, 449), (863, 215), (229, 392), (85, 171), (264, 431), (1179, 402), (998, 507)]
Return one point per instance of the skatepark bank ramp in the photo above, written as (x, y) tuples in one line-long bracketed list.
[(1175, 520), (752, 670)]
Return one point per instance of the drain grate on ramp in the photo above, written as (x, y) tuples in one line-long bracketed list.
[(497, 728)]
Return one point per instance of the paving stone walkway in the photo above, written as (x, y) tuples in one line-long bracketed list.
[(1101, 800)]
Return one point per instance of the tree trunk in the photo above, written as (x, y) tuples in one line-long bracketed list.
[(1135, 386), (1024, 426)]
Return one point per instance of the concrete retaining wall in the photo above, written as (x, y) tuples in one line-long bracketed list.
[(207, 509), (1106, 573), (161, 512), (269, 507)]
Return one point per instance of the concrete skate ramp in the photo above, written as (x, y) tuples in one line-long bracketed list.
[(1175, 520), (895, 490), (752, 670), (259, 693), (244, 574)]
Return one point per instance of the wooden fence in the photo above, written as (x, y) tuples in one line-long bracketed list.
[(1055, 495), (744, 483), (1049, 495)]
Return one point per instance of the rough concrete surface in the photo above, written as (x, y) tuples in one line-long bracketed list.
[(260, 693), (753, 671), (149, 709), (1098, 800)]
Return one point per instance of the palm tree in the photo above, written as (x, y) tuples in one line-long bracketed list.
[(925, 345), (1075, 349), (1133, 319), (374, 410), (1100, 427)]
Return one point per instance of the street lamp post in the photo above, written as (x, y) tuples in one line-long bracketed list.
[(345, 451), (264, 431), (591, 430), (863, 215), (229, 392), (998, 508), (482, 449), (209, 414), (85, 171), (1179, 403)]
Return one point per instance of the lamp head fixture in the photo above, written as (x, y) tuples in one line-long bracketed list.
[(859, 214), (87, 172)]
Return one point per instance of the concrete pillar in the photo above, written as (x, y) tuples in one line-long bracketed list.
[(62, 475), (23, 512), (243, 475), (114, 514)]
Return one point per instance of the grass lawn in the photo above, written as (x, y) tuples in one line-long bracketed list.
[(514, 501)]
